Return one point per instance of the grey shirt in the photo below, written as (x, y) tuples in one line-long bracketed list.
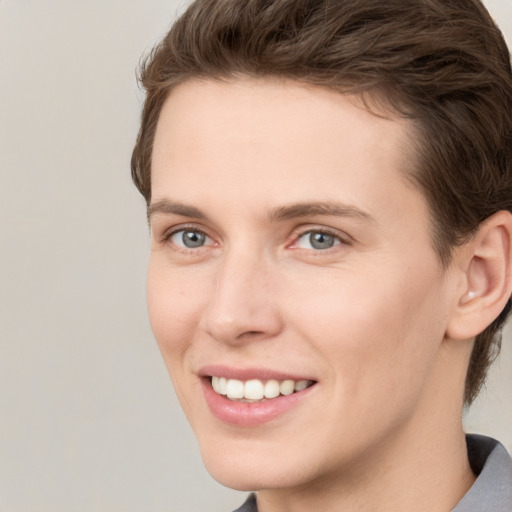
[(492, 490)]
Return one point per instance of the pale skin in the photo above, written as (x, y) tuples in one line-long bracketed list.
[(253, 169)]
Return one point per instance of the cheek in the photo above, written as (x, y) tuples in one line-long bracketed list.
[(174, 305), (376, 330)]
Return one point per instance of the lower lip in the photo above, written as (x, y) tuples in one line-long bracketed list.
[(243, 414)]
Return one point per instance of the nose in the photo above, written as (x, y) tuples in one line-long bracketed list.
[(243, 305)]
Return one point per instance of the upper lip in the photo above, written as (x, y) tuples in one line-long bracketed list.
[(249, 373)]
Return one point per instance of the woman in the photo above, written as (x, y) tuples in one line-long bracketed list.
[(329, 189)]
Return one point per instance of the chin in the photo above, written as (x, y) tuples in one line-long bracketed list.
[(237, 481), (255, 469), (249, 479), (239, 469)]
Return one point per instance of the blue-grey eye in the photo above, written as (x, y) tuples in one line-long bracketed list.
[(317, 240), (190, 239)]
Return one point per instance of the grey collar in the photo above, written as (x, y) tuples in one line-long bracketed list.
[(492, 490)]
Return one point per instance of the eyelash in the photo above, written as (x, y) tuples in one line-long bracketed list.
[(166, 237), (340, 240)]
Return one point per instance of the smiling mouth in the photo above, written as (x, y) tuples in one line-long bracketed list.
[(255, 390)]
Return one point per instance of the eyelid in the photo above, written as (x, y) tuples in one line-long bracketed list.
[(170, 232), (342, 237)]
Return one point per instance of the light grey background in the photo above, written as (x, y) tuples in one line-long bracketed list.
[(88, 420)]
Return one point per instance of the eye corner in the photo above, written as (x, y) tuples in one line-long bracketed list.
[(188, 239), (319, 240)]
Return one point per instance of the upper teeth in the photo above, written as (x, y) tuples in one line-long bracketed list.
[(256, 389)]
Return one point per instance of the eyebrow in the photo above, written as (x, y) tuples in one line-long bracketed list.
[(167, 207), (307, 209), (280, 213)]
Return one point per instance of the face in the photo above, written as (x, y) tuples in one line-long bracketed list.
[(292, 285)]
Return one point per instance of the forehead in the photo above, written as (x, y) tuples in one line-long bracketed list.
[(281, 136), (264, 104), (278, 113)]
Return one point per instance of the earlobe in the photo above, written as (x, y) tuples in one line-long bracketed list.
[(488, 278)]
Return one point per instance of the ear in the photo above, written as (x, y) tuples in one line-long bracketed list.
[(486, 283)]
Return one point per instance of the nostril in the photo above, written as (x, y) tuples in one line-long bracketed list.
[(250, 334)]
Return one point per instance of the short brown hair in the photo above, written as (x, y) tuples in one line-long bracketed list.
[(442, 63)]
